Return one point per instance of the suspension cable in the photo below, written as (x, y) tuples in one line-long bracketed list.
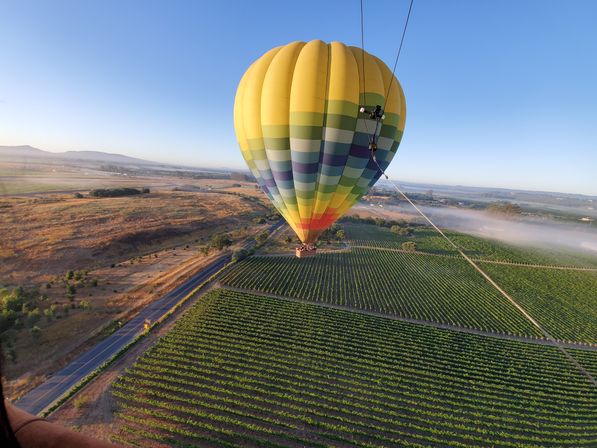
[(536, 324), (399, 50), (363, 68)]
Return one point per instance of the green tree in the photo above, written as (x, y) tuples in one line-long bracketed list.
[(239, 255), (409, 246), (35, 333), (33, 317), (220, 241), (49, 314), (10, 351), (71, 290), (261, 238)]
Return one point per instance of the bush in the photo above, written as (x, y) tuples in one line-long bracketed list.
[(78, 195), (10, 352), (85, 304), (145, 190), (15, 300), (70, 290), (33, 317), (220, 241), (65, 309), (409, 246), (35, 333), (94, 282), (261, 238), (239, 255)]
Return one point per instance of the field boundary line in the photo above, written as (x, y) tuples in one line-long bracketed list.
[(442, 326)]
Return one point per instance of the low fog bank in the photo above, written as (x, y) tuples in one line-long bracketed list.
[(527, 231)]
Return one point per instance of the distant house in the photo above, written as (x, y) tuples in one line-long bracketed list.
[(586, 219)]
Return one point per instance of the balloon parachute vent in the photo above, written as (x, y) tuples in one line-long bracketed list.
[(305, 251)]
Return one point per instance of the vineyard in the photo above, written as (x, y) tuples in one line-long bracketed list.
[(422, 287), (428, 240), (564, 302), (245, 370)]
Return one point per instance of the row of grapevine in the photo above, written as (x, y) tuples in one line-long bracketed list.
[(427, 288), (246, 370)]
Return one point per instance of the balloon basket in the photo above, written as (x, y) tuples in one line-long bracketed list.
[(305, 251)]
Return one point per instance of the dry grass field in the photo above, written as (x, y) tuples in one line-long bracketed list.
[(124, 252)]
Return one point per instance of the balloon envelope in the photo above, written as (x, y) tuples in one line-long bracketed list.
[(297, 120)]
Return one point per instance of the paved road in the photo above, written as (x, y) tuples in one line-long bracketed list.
[(62, 381)]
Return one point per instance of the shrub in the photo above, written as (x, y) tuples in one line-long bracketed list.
[(409, 246), (239, 255), (35, 333), (220, 241)]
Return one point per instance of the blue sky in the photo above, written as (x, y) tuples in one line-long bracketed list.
[(499, 93)]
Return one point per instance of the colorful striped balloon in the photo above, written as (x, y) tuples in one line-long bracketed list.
[(297, 120)]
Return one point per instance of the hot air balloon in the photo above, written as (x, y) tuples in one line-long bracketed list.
[(308, 118)]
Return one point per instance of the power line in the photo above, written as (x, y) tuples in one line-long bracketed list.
[(536, 324)]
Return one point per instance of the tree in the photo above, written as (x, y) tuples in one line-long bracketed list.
[(65, 309), (288, 239), (70, 290), (78, 195), (10, 351), (239, 255), (70, 275), (220, 241), (85, 304), (33, 317), (261, 238), (403, 231), (35, 333), (409, 246), (340, 234), (49, 314)]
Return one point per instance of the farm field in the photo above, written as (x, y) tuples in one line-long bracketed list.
[(246, 370), (422, 287), (429, 288), (428, 240), (564, 302)]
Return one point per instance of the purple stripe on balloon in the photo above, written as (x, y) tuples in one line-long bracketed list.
[(305, 168), (359, 151), (282, 175), (270, 183), (334, 160)]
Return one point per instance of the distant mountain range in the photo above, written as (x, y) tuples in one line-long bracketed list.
[(26, 152)]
